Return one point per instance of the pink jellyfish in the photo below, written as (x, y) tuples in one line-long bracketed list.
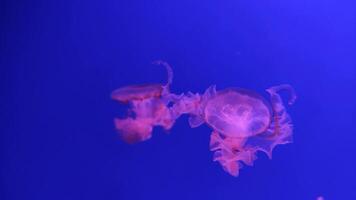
[(149, 106), (243, 122)]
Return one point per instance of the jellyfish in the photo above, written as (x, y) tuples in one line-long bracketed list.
[(149, 106), (243, 122)]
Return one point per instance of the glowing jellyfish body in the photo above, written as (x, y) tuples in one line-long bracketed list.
[(236, 113), (243, 122)]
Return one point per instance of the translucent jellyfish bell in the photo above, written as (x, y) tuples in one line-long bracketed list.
[(144, 91), (137, 92), (237, 113)]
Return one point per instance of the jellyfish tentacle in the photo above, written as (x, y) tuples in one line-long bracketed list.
[(281, 127), (223, 154), (231, 153), (209, 93), (185, 104), (196, 117), (195, 121), (279, 112), (275, 89), (169, 71)]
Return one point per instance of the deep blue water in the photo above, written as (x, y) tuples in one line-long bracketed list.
[(61, 60)]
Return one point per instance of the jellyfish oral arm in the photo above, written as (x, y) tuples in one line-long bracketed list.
[(148, 113), (229, 153)]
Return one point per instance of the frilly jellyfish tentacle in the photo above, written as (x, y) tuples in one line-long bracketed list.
[(185, 104), (148, 112), (230, 153), (224, 154), (192, 104), (197, 118), (281, 120), (195, 121), (210, 92), (281, 128), (275, 89)]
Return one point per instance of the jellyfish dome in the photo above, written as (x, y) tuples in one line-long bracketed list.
[(237, 113)]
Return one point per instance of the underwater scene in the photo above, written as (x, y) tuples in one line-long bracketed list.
[(213, 100)]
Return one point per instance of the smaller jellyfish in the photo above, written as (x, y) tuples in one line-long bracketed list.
[(242, 121), (148, 106)]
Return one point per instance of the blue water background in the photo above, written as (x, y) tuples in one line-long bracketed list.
[(60, 60)]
